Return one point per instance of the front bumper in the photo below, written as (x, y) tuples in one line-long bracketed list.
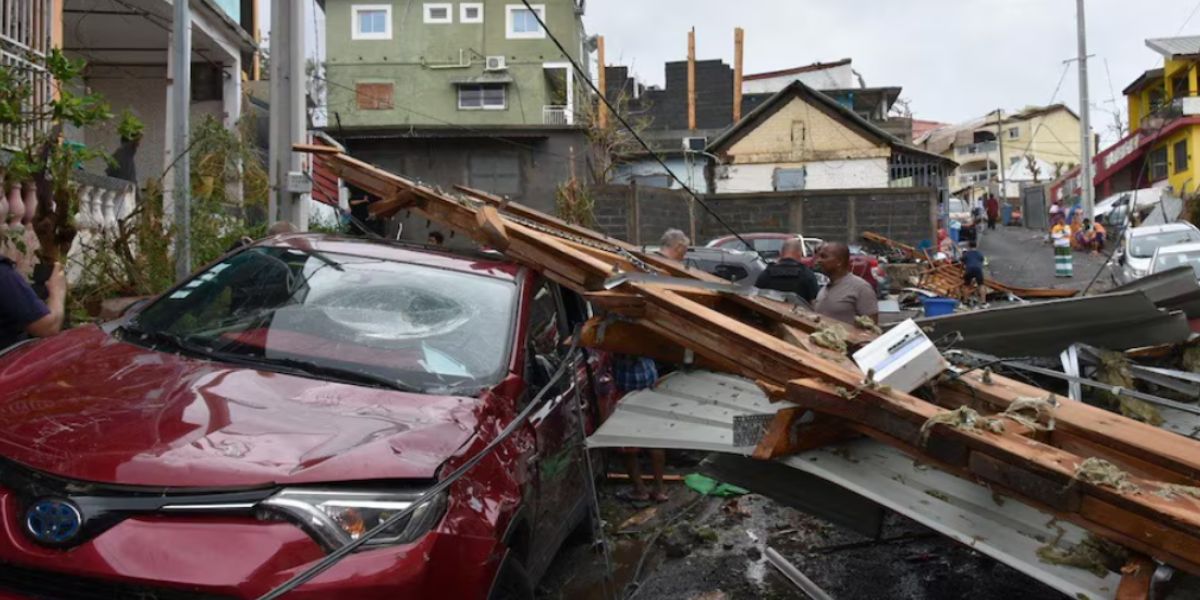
[(212, 558)]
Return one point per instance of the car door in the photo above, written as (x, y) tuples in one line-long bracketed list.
[(560, 478)]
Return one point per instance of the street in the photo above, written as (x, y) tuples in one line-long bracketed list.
[(1024, 257)]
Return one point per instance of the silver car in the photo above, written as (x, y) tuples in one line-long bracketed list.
[(1135, 256), (1179, 255)]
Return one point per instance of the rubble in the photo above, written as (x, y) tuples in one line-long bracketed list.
[(760, 339)]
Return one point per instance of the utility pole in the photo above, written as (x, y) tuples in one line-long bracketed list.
[(1085, 134), (289, 185), (739, 40), (181, 86), (1003, 165), (691, 79), (602, 81)]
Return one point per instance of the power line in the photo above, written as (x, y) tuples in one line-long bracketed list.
[(625, 123)]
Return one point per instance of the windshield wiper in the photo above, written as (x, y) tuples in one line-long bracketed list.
[(163, 338), (308, 367)]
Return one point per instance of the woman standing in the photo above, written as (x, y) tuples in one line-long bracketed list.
[(1060, 233)]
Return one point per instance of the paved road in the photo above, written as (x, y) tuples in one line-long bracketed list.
[(1024, 258)]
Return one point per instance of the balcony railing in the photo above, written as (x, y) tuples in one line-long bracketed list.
[(973, 149), (24, 44), (966, 179), (557, 115)]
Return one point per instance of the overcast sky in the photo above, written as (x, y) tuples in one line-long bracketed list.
[(955, 59)]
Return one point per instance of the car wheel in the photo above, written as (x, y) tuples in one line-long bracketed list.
[(513, 582)]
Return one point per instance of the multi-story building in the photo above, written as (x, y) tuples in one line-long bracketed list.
[(1035, 144), (471, 93), (1164, 129)]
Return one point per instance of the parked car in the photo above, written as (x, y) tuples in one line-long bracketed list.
[(1134, 256), (735, 265), (282, 402), (1179, 255), (768, 245), (959, 210)]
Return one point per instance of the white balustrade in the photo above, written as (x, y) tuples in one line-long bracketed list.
[(16, 206), (30, 203)]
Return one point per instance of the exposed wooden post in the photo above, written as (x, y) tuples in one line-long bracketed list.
[(56, 29), (602, 79), (739, 38), (692, 79), (256, 61)]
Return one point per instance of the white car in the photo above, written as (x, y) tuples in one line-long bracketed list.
[(1135, 256), (1179, 255), (959, 210)]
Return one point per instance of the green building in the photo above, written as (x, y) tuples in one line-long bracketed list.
[(469, 93)]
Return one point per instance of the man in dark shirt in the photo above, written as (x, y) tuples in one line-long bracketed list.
[(22, 313), (788, 274), (973, 262)]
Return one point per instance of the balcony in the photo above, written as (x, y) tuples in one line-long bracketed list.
[(557, 115), (975, 151), (969, 179)]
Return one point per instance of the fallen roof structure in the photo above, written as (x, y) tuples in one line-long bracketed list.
[(1174, 289), (1142, 497), (1117, 321), (693, 410)]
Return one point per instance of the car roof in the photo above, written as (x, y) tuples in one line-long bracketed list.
[(1178, 248), (479, 263), (1153, 229)]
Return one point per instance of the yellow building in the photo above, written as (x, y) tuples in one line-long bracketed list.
[(1164, 124), (1035, 144)]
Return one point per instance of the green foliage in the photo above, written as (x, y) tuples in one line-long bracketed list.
[(130, 127)]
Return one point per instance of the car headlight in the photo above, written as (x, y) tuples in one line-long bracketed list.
[(337, 517)]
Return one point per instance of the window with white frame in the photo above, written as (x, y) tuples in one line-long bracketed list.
[(522, 24), (371, 22), (1014, 133), (470, 12), (486, 96), (439, 13)]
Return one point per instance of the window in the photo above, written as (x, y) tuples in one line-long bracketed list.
[(371, 22), (522, 24), (1014, 133), (1158, 164), (374, 96), (470, 13), (1181, 156), (496, 173), (490, 96), (438, 13)]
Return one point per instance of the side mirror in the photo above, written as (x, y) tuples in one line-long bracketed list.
[(1121, 258)]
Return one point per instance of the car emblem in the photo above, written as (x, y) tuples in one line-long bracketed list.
[(52, 521)]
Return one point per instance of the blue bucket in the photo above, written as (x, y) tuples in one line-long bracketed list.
[(936, 307)]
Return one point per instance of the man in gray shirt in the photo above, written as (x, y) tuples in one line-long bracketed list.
[(847, 296)]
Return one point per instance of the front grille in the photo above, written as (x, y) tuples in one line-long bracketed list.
[(47, 585)]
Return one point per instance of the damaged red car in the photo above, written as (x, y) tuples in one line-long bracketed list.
[(284, 401)]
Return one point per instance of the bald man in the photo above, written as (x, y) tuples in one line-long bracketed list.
[(847, 296)]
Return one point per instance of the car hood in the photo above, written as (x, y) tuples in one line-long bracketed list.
[(1135, 263), (84, 405)]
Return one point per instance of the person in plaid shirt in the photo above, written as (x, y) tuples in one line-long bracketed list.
[(632, 373)]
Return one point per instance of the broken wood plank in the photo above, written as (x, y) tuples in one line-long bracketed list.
[(492, 227), (1136, 578)]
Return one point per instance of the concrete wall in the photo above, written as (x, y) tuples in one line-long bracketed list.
[(142, 90), (413, 61), (820, 175), (640, 215), (835, 78), (543, 162), (691, 172)]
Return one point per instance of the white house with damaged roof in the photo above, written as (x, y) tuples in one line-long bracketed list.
[(801, 139)]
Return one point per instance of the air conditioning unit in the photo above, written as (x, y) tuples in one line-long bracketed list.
[(695, 144), (496, 63)]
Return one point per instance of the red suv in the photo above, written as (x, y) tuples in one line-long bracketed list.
[(283, 402), (768, 245)]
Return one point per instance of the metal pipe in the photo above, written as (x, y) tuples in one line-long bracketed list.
[(181, 101), (794, 575)]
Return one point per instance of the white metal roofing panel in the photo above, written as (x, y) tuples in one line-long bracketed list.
[(1175, 46), (695, 410)]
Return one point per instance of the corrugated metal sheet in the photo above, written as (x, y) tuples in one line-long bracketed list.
[(1113, 321), (1175, 46), (695, 411)]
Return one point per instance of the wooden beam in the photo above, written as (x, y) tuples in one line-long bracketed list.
[(602, 83), (738, 42), (1136, 578), (492, 227), (691, 79)]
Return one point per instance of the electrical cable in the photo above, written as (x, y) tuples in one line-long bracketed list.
[(625, 123), (542, 398)]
